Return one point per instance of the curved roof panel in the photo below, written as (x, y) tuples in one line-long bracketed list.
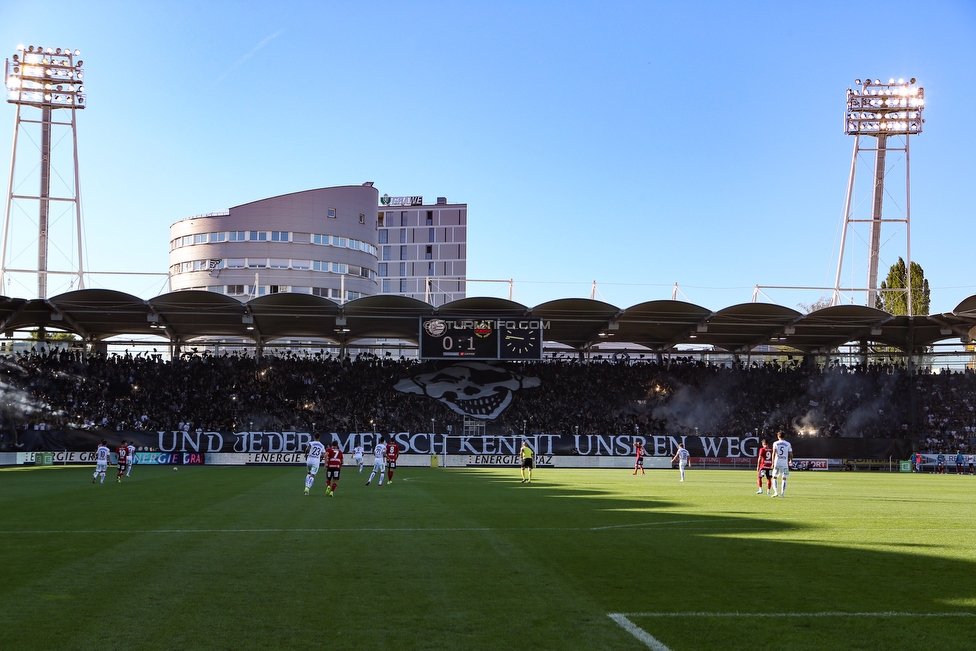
[(396, 317), (967, 307), (830, 327), (100, 313), (740, 328), (192, 313), (575, 322), (658, 324), (294, 315), (482, 306)]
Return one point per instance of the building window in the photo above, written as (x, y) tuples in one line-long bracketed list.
[(235, 263), (258, 236), (278, 263), (386, 252), (430, 268), (320, 291), (301, 265), (218, 237), (383, 268), (430, 217), (386, 285), (384, 236), (403, 236), (273, 289), (237, 236), (403, 268), (200, 239), (403, 253), (280, 236), (403, 285), (332, 213), (235, 290), (379, 219), (430, 235), (362, 218), (257, 263), (429, 253), (403, 218)]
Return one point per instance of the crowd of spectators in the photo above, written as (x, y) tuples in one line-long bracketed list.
[(60, 389)]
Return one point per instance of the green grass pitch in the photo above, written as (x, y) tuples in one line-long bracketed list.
[(237, 558)]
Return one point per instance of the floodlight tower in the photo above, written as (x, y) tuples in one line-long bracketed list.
[(44, 79), (880, 111)]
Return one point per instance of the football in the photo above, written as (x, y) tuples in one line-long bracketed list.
[(176, 468)]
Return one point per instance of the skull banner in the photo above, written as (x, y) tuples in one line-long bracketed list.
[(472, 389)]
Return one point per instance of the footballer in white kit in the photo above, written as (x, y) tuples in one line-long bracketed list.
[(782, 457), (357, 455), (102, 456), (379, 463), (313, 457), (682, 456), (132, 459)]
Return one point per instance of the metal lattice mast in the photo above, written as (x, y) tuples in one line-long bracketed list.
[(876, 112), (47, 80)]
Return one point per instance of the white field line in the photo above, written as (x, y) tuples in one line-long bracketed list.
[(891, 613), (651, 642)]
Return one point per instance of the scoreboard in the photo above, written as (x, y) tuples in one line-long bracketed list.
[(484, 339)]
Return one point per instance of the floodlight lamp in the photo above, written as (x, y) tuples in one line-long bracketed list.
[(891, 80), (912, 80), (20, 47), (57, 51), (77, 53), (857, 82), (877, 82)]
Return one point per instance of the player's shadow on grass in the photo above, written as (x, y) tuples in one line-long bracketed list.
[(647, 559)]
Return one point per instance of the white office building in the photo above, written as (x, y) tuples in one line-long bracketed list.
[(422, 249)]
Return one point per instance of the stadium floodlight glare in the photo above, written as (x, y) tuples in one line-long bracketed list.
[(30, 73), (46, 79), (892, 109), (883, 115)]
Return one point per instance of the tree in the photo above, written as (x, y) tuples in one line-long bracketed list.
[(891, 295), (819, 304)]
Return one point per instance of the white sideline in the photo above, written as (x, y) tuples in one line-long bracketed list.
[(622, 619), (891, 613)]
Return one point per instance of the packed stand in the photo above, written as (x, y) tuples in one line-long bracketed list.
[(319, 392)]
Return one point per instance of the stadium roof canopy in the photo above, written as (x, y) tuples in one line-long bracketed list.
[(658, 326)]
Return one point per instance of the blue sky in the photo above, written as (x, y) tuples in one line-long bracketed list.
[(635, 144)]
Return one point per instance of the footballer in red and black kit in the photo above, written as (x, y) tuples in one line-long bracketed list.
[(764, 466), (123, 452), (333, 455), (392, 452)]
